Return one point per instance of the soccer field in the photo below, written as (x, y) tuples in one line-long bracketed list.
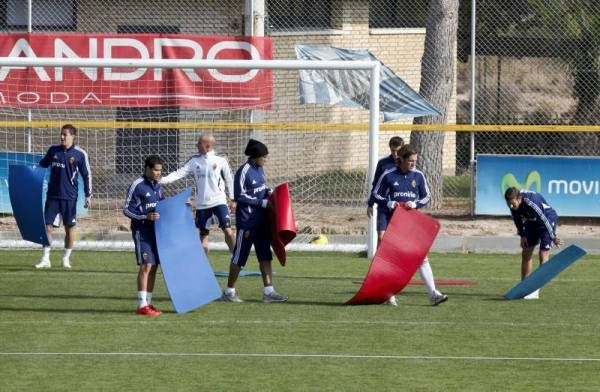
[(77, 330)]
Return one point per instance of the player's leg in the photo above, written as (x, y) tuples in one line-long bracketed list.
[(146, 260), (435, 297), (222, 213), (262, 246), (68, 212), (52, 218), (526, 255), (383, 219), (241, 251), (532, 237), (546, 241), (202, 223)]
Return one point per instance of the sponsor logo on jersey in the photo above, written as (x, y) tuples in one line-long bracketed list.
[(58, 164), (260, 188), (408, 194)]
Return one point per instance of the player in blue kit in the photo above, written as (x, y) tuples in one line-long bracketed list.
[(67, 162), (383, 213), (252, 221), (536, 224), (404, 186), (140, 206)]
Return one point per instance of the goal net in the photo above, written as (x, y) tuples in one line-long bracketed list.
[(126, 109)]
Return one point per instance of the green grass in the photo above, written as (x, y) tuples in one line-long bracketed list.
[(472, 342)]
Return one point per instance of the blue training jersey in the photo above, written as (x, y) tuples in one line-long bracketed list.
[(250, 192), (142, 198), (394, 185), (534, 213), (382, 165), (65, 167)]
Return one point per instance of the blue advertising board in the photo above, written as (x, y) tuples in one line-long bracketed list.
[(8, 158), (570, 184)]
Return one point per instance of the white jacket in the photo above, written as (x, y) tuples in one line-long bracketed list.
[(211, 172)]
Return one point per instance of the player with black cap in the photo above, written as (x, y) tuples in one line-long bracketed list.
[(251, 195)]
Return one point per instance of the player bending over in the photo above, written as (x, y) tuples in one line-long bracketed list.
[(536, 223)]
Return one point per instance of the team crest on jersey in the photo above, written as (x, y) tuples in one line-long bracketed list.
[(413, 183), (71, 160)]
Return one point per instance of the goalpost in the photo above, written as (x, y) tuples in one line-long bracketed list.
[(318, 149)]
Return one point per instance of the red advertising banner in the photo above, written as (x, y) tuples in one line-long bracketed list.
[(83, 87)]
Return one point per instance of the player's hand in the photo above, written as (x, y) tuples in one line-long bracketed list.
[(88, 202), (524, 243), (410, 205), (232, 206), (557, 241), (189, 201), (392, 204), (153, 216), (370, 211)]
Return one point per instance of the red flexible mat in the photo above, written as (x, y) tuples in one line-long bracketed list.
[(283, 223), (406, 242)]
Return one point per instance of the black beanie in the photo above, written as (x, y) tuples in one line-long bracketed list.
[(256, 149)]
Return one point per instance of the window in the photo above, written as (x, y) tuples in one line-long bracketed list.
[(390, 14), (54, 15), (294, 15)]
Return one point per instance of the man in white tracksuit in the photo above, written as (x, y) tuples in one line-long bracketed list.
[(210, 172)]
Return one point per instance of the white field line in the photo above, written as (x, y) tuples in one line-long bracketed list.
[(301, 322), (292, 355)]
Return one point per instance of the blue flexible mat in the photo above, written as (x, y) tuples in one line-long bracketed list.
[(26, 191), (546, 272), (189, 278)]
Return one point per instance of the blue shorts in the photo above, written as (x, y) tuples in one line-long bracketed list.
[(57, 210), (384, 215), (204, 218), (146, 251), (539, 235), (244, 241)]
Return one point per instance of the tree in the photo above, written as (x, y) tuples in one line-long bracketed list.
[(437, 85)]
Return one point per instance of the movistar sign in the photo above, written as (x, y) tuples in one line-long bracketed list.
[(570, 184), (533, 178)]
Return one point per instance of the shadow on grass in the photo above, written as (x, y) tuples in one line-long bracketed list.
[(294, 302), (59, 269), (78, 296), (70, 311)]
